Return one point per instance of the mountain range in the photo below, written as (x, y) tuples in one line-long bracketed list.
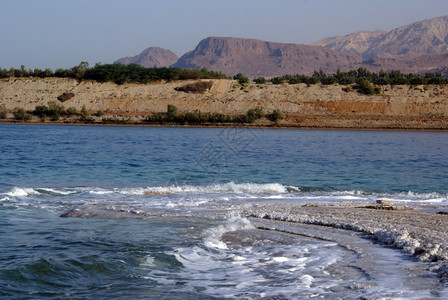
[(150, 57), (428, 37), (419, 47)]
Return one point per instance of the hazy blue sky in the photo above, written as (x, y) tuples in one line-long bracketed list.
[(62, 33)]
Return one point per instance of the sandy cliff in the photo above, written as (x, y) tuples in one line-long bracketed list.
[(316, 106)]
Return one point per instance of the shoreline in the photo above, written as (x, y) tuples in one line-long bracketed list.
[(244, 126), (416, 231), (301, 106)]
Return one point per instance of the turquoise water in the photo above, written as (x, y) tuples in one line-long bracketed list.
[(175, 177)]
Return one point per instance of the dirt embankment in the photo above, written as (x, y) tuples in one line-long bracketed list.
[(314, 106)]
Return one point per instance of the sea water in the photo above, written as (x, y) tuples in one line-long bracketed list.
[(154, 212)]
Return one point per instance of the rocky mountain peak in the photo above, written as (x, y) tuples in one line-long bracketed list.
[(427, 37), (261, 58), (151, 57)]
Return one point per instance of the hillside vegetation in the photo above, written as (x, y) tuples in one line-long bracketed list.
[(283, 102), (117, 73)]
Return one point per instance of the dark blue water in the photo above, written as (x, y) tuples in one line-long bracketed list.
[(65, 156), (170, 174)]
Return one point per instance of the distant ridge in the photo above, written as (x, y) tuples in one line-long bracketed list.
[(261, 58), (419, 47), (427, 37), (151, 57)]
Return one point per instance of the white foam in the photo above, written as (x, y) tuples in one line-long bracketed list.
[(306, 281), (58, 192), (280, 259), (213, 235), (253, 271), (101, 192), (230, 187), (22, 192)]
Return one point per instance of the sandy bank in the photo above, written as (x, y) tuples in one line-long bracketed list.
[(313, 106)]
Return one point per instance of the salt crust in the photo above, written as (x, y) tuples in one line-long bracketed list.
[(420, 234)]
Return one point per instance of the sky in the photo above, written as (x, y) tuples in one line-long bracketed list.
[(62, 33)]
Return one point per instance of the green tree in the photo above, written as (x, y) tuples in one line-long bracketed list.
[(278, 80), (241, 79), (80, 70), (41, 111), (260, 80), (275, 116)]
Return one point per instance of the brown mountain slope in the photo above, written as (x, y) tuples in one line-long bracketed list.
[(427, 37), (260, 58), (420, 65), (151, 57), (357, 42)]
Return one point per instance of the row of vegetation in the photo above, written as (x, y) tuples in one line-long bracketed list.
[(120, 74), (117, 73), (196, 118), (364, 81), (356, 77), (54, 111)]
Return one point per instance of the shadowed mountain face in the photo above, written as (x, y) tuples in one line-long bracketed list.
[(428, 37), (151, 57), (261, 58)]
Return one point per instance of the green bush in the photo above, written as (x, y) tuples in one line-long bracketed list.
[(365, 87), (277, 80), (21, 115), (191, 118), (55, 109), (242, 119), (71, 111), (41, 111), (155, 118), (241, 79), (219, 118), (255, 113), (3, 114), (275, 115), (84, 116), (260, 80), (171, 112)]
